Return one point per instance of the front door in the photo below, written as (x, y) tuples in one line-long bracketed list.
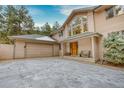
[(74, 48)]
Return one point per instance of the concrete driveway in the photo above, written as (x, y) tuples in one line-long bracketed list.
[(57, 73)]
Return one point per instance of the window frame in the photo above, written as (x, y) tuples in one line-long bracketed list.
[(114, 12), (61, 34), (107, 12)]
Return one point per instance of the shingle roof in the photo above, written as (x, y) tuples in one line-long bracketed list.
[(33, 37)]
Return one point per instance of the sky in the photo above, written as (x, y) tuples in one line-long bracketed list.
[(51, 13)]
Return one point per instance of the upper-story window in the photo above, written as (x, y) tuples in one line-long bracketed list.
[(85, 24), (76, 21), (115, 10), (78, 25), (123, 32), (117, 32), (61, 33), (76, 30)]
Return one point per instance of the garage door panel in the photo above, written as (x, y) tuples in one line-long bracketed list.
[(39, 50)]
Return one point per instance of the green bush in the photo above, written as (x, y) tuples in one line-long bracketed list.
[(114, 46)]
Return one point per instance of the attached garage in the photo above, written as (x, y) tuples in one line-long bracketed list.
[(34, 46), (39, 50)]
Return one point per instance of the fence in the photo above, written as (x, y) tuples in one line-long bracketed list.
[(6, 51)]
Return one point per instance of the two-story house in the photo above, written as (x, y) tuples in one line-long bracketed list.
[(85, 29)]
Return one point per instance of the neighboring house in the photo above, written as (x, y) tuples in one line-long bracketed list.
[(28, 46), (85, 29)]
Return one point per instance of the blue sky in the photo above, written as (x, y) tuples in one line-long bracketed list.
[(51, 13)]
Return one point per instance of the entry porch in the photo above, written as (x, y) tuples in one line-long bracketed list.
[(83, 47)]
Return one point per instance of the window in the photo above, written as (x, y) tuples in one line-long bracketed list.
[(119, 9), (60, 33), (117, 32), (76, 30), (122, 32), (78, 25), (76, 21), (115, 10), (110, 13), (85, 27)]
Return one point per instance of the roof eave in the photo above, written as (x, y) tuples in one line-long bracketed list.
[(31, 40), (102, 7), (84, 36), (78, 11)]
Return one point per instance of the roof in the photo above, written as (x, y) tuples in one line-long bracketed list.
[(81, 10), (33, 37), (102, 7)]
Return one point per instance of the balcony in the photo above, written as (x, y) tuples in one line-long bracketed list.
[(83, 35)]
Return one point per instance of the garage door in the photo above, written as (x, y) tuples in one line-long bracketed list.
[(39, 50)]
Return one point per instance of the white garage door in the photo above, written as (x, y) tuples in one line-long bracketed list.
[(39, 50)]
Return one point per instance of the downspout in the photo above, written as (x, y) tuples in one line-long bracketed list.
[(94, 21)]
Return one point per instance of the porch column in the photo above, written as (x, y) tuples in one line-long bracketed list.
[(101, 48), (62, 49), (71, 31), (94, 48), (68, 47)]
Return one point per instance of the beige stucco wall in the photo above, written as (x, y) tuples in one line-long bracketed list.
[(6, 51), (56, 37), (100, 47), (98, 23), (95, 48), (84, 44), (56, 49), (105, 26), (90, 22), (65, 31), (19, 49)]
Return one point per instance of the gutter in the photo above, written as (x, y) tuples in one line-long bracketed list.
[(97, 7), (32, 40)]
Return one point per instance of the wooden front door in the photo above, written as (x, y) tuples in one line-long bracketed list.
[(74, 48)]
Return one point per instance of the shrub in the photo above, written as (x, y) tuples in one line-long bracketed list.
[(114, 46)]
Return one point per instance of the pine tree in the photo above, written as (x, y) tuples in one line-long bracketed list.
[(56, 26), (46, 29), (114, 45), (15, 20)]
